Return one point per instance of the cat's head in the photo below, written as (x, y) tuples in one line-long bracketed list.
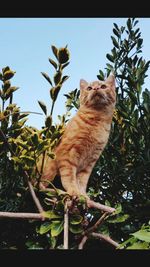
[(98, 94)]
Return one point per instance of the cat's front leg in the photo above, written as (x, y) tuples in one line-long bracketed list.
[(68, 179), (83, 178)]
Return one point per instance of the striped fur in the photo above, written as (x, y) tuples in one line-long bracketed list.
[(85, 137)]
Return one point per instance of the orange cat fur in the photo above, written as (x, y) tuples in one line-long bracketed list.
[(84, 138)]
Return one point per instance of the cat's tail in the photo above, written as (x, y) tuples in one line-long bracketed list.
[(49, 170)]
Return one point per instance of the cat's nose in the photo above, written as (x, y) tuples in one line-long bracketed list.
[(96, 88)]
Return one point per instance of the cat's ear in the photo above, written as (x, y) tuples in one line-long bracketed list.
[(83, 84), (111, 80)]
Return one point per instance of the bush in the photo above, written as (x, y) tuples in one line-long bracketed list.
[(120, 177)]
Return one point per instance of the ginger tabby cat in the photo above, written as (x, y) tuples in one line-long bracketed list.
[(84, 138)]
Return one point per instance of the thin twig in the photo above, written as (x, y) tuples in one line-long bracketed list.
[(53, 103), (51, 200), (105, 238), (83, 241), (21, 215), (36, 201), (93, 204), (95, 226), (66, 223)]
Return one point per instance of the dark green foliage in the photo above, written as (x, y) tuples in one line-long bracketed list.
[(123, 171)]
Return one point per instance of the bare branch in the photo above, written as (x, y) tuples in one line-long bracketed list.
[(83, 241), (95, 226), (105, 238), (93, 204), (36, 201), (21, 215), (66, 224)]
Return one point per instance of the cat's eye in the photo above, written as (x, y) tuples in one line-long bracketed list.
[(103, 86), (89, 88)]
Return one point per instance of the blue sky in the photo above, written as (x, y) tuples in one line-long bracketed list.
[(25, 46)]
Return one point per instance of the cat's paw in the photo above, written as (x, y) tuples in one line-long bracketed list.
[(74, 193)]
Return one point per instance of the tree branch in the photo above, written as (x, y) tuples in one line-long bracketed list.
[(105, 238), (95, 226), (66, 223), (83, 241), (93, 204), (21, 215), (36, 201)]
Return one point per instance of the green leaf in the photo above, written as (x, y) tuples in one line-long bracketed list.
[(51, 155), (60, 206), (51, 215), (56, 228), (48, 121), (16, 159), (5, 69), (132, 96), (47, 78), (110, 67), (53, 63), (135, 23), (76, 219), (8, 74), (142, 235), (55, 50), (115, 43), (116, 26), (101, 76), (130, 240), (117, 33), (7, 85), (43, 146), (57, 77), (63, 55), (28, 159), (34, 138), (52, 240), (64, 78), (65, 65), (43, 107), (139, 43), (54, 92), (51, 193), (139, 245), (110, 57), (44, 228), (82, 200), (76, 229), (118, 208), (10, 91), (22, 144), (129, 25), (119, 219), (107, 203)]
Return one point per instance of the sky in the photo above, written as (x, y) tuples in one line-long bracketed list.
[(25, 46)]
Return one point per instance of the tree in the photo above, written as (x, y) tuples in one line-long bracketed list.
[(120, 177)]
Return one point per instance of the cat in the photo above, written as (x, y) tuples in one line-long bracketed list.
[(84, 138)]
